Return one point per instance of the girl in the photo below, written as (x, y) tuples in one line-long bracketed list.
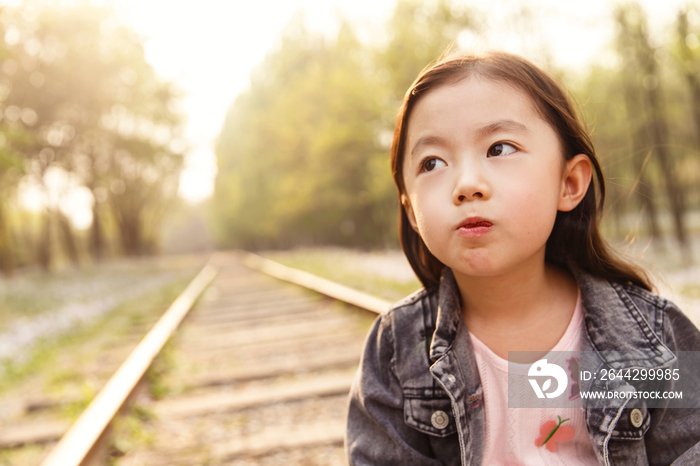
[(499, 219)]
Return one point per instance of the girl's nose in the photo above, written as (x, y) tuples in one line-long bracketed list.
[(471, 185)]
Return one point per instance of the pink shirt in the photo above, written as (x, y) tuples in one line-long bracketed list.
[(511, 432)]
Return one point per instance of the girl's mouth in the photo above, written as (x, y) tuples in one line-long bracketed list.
[(474, 227)]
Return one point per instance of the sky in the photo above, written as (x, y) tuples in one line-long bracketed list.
[(210, 51), (209, 47)]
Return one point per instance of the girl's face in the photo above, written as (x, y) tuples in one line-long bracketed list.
[(484, 177)]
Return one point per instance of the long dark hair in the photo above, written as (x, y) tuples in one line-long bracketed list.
[(576, 236)]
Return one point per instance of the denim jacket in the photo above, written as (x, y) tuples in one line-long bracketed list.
[(418, 360)]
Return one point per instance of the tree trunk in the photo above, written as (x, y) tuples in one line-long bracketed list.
[(642, 185), (44, 252), (97, 242), (634, 41), (68, 238), (660, 137), (7, 259), (130, 232), (688, 72), (659, 133)]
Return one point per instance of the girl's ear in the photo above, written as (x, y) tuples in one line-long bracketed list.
[(409, 212), (575, 182)]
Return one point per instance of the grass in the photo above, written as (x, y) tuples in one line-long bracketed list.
[(163, 364), (362, 271), (131, 431), (691, 290), (383, 274), (31, 454), (30, 293), (58, 361), (61, 367)]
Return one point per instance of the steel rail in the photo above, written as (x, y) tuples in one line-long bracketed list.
[(79, 444), (312, 282), (82, 443)]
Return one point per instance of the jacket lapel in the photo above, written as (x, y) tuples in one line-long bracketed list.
[(456, 371), (617, 336)]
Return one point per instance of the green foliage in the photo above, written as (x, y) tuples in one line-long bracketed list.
[(162, 365), (691, 291), (420, 33), (296, 149), (80, 99), (45, 357), (303, 153), (131, 431)]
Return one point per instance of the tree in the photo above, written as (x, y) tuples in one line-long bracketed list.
[(297, 150), (419, 34), (634, 35), (302, 154), (88, 102), (686, 54)]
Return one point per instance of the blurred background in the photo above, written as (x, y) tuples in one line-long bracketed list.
[(141, 128), (137, 136)]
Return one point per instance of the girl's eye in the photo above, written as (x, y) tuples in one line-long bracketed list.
[(431, 164), (502, 148)]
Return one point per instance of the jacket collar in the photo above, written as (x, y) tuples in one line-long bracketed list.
[(449, 315), (615, 327)]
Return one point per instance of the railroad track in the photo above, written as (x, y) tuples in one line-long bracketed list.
[(259, 374)]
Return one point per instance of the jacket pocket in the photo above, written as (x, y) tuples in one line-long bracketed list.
[(431, 415), (633, 423)]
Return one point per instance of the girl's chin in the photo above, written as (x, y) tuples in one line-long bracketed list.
[(474, 274), (476, 267)]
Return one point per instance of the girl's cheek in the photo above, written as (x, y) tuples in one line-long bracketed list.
[(425, 214), (432, 186)]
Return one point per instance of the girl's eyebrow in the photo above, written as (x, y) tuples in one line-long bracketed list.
[(428, 141), (502, 125)]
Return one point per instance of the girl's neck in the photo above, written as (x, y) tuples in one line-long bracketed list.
[(519, 305)]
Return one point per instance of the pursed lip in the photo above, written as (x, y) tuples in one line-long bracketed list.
[(474, 226)]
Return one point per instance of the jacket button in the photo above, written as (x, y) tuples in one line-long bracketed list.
[(451, 378), (636, 417), (439, 419)]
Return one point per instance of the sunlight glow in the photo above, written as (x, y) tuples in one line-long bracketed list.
[(223, 41), (61, 191), (197, 180), (210, 47)]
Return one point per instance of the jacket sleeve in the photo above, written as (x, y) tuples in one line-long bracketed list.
[(376, 432), (675, 432)]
